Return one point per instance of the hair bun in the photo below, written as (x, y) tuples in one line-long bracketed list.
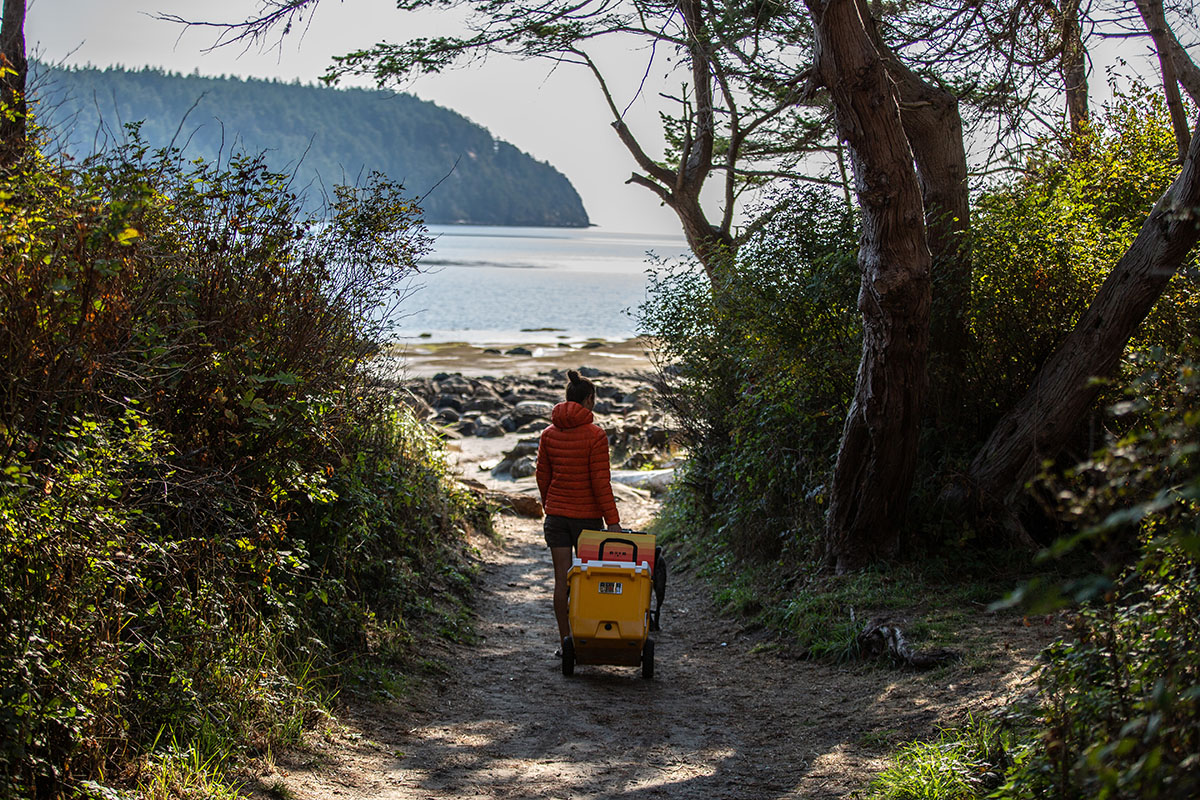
[(573, 376)]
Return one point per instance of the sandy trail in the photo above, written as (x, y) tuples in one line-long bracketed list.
[(723, 718)]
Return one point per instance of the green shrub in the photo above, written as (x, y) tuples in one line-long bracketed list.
[(208, 507), (1117, 703), (1117, 707), (762, 368), (1045, 242)]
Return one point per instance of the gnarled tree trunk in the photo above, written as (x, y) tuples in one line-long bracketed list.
[(1165, 41), (1073, 65), (1041, 423), (877, 455), (933, 125)]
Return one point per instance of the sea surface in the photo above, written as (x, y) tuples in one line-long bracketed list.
[(496, 285)]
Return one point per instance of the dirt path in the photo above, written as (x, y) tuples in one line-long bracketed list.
[(721, 719)]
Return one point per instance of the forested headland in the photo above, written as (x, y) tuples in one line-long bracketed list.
[(324, 136)]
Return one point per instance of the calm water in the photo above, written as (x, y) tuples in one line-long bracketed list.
[(492, 285)]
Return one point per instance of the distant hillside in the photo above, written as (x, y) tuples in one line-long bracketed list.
[(335, 134)]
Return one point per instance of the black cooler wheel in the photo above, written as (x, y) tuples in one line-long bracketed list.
[(568, 656), (647, 659)]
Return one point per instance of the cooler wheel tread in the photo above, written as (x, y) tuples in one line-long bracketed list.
[(568, 656)]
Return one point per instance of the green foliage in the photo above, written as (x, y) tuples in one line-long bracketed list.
[(1113, 707), (1116, 704), (1044, 244), (762, 366), (322, 134), (961, 764), (1117, 707), (206, 505)]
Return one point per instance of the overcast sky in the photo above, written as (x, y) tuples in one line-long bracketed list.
[(555, 115)]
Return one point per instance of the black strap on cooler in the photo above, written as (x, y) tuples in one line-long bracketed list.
[(617, 540)]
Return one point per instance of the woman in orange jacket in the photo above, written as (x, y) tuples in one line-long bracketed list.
[(574, 482)]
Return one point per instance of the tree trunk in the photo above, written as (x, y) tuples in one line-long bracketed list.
[(1186, 71), (933, 125), (877, 455), (13, 69), (680, 188), (1073, 63), (1062, 392), (1156, 24)]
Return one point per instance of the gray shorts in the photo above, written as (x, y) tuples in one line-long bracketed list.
[(564, 531)]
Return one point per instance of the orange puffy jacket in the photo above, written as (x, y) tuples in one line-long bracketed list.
[(572, 466)]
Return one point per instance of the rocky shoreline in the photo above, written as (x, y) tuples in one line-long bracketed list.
[(492, 425)]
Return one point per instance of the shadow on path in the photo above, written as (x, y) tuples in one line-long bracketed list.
[(719, 720)]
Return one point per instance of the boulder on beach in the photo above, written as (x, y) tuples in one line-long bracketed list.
[(488, 427), (529, 410), (526, 448), (487, 404), (523, 467), (446, 400)]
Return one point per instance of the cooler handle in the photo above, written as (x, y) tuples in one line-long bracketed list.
[(618, 540)]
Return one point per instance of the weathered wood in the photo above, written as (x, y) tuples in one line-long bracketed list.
[(877, 455), (523, 505)]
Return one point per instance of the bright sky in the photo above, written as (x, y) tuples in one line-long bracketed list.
[(555, 115)]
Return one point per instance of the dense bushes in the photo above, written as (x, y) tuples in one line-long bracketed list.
[(1116, 704), (205, 507), (764, 361), (763, 364), (761, 371), (1045, 242), (1113, 706)]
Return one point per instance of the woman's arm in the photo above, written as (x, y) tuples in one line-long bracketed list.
[(544, 470), (598, 469)]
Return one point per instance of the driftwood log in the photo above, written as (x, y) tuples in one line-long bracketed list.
[(523, 505), (885, 640)]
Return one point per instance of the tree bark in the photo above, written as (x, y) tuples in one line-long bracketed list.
[(877, 455), (933, 125), (1186, 71), (679, 188), (1156, 25), (1042, 422), (1073, 63), (14, 69)]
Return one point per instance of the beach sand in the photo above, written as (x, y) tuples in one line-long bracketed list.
[(422, 360)]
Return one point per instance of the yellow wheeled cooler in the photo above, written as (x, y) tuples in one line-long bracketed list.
[(610, 585)]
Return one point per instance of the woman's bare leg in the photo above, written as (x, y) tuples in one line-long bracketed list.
[(562, 563)]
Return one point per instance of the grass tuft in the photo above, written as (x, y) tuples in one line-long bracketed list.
[(962, 763)]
